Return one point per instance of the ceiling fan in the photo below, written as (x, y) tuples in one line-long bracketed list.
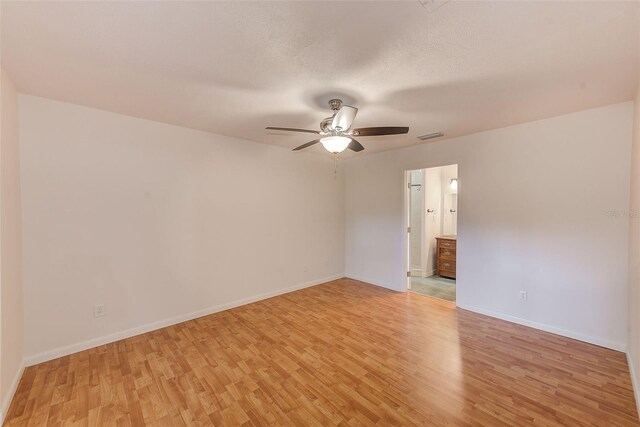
[(336, 131)]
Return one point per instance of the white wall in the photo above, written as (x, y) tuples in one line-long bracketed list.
[(11, 306), (161, 223), (634, 252), (532, 216)]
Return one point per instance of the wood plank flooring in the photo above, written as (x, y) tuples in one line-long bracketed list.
[(343, 353)]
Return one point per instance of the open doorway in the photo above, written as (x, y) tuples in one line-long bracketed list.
[(432, 231)]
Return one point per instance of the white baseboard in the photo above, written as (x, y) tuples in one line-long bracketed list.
[(6, 402), (370, 282), (552, 329), (634, 381), (106, 339)]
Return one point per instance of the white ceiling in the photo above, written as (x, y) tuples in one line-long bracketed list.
[(235, 67)]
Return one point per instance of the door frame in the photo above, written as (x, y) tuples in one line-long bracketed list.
[(407, 223)]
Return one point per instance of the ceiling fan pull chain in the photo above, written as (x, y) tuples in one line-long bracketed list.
[(335, 167)]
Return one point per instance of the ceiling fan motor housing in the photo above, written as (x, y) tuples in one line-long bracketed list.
[(335, 104), (325, 124)]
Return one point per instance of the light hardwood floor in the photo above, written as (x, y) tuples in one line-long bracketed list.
[(342, 353)]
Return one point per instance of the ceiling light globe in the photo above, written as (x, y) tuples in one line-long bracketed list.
[(335, 144)]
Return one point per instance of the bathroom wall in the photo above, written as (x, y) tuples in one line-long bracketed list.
[(433, 220), (449, 219)]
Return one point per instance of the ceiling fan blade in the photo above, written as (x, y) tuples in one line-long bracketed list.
[(344, 117), (385, 130), (308, 144), (355, 146), (292, 130)]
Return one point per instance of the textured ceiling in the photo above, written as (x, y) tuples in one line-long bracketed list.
[(235, 67)]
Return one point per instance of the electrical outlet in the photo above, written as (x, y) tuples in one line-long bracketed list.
[(98, 310), (523, 295)]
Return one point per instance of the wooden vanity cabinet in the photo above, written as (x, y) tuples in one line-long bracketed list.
[(446, 256)]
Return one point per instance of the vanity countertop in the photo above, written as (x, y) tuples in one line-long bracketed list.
[(449, 237)]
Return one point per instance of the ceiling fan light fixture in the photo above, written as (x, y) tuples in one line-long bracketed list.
[(335, 144)]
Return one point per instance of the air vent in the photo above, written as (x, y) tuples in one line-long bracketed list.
[(431, 136)]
